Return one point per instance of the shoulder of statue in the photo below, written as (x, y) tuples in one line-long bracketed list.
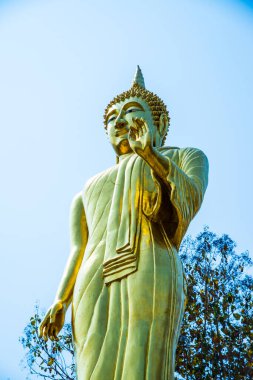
[(192, 153), (97, 176), (168, 150), (182, 152), (185, 157)]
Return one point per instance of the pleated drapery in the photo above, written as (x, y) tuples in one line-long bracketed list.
[(128, 329)]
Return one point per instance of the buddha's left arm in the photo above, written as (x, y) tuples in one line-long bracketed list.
[(189, 174), (141, 138), (185, 174)]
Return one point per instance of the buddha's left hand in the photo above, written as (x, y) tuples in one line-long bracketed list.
[(140, 137)]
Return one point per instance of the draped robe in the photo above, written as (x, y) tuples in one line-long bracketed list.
[(129, 294)]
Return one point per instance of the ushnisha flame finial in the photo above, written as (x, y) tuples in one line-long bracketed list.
[(138, 78)]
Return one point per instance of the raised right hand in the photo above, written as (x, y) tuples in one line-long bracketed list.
[(53, 321)]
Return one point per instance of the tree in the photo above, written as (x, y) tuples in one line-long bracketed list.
[(216, 337)]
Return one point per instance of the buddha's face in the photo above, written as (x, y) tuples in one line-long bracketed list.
[(119, 120)]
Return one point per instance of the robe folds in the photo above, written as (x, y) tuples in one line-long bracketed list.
[(129, 294)]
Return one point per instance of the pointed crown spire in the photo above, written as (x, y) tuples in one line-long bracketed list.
[(138, 78)]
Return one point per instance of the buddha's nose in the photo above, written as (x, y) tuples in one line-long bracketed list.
[(120, 122)]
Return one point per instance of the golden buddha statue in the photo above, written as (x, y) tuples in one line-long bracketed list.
[(124, 278)]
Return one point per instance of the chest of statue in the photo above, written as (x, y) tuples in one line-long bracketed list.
[(97, 196)]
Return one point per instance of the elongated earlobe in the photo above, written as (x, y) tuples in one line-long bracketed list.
[(163, 124)]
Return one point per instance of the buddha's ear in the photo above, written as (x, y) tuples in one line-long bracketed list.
[(163, 124)]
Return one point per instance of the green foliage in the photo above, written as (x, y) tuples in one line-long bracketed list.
[(216, 341), (216, 337)]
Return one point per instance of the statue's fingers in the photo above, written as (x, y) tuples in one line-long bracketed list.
[(138, 127), (144, 125), (51, 332), (132, 134), (138, 122), (45, 332), (43, 324), (55, 333), (135, 125), (141, 125)]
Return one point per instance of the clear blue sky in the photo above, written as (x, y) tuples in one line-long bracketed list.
[(61, 62)]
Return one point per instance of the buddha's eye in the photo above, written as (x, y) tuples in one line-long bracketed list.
[(111, 119), (132, 110)]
